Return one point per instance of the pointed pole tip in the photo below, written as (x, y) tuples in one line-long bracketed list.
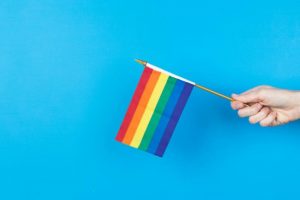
[(141, 61)]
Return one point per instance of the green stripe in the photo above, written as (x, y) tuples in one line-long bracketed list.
[(157, 113)]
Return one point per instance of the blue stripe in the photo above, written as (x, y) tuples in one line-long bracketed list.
[(165, 118), (174, 119)]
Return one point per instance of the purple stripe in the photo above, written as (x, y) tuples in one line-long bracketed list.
[(174, 119), (166, 116)]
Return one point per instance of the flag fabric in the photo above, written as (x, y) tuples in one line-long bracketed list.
[(154, 110)]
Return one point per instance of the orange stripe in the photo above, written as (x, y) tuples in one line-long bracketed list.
[(141, 107)]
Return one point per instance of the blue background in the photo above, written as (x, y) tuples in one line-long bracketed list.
[(67, 76)]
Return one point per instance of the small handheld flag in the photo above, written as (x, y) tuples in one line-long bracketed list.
[(155, 109)]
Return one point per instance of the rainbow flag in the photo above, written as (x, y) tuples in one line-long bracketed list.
[(154, 111)]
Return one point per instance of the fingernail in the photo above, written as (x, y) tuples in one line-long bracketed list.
[(235, 97)]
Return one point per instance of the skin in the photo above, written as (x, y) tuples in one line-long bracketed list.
[(268, 106)]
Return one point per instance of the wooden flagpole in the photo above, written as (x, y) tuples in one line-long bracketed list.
[(144, 63)]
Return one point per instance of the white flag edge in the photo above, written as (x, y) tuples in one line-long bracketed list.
[(169, 73)]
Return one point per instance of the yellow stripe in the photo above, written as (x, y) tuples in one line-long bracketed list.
[(140, 131)]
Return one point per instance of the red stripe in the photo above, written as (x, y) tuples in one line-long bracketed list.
[(134, 103)]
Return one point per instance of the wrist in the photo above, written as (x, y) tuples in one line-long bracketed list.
[(296, 103)]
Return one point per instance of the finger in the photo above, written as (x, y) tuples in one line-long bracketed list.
[(255, 89), (269, 120), (251, 97), (262, 114), (250, 90), (245, 92), (250, 110), (237, 105)]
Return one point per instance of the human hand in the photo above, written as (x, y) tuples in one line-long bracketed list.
[(268, 105)]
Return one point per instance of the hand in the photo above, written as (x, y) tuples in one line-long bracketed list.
[(268, 105)]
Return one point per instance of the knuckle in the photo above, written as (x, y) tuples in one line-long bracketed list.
[(254, 109), (257, 107), (265, 111)]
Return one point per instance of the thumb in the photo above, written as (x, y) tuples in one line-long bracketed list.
[(251, 97)]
